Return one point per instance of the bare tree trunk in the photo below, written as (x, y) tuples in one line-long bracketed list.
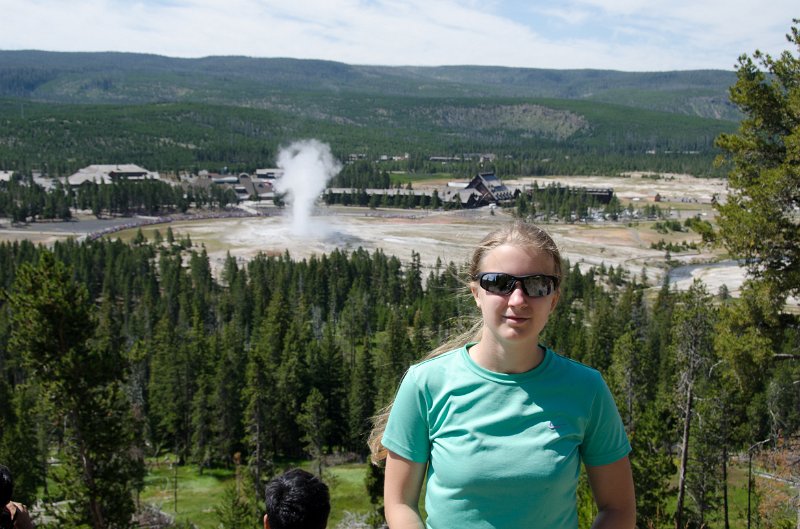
[(175, 483), (684, 458), (630, 400), (94, 506), (725, 484), (258, 455), (95, 511), (797, 525)]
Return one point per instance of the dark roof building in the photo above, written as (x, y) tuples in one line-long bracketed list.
[(482, 190), (490, 189)]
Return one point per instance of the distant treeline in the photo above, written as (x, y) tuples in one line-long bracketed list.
[(59, 139), (22, 199), (283, 358)]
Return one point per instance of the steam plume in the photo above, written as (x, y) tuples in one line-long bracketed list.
[(307, 165)]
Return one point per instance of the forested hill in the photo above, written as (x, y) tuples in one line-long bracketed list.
[(260, 82), (64, 111)]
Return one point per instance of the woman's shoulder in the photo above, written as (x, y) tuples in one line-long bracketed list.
[(436, 362), (436, 367), (574, 368)]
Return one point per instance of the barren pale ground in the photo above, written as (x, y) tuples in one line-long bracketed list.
[(450, 236), (447, 236)]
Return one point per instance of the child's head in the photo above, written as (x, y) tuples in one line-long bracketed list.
[(296, 499), (527, 236)]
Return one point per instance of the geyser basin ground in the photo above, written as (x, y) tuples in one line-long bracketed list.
[(449, 236)]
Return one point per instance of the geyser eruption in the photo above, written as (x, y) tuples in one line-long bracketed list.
[(307, 166)]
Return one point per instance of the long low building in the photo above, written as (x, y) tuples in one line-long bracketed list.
[(107, 174)]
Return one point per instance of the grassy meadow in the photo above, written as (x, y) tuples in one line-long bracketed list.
[(199, 493)]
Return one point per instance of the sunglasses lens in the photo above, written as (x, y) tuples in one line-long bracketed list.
[(538, 286), (498, 283)]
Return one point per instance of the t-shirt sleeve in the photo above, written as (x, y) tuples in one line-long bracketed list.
[(407, 429), (605, 440)]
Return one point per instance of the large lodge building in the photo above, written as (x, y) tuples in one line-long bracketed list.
[(484, 189)]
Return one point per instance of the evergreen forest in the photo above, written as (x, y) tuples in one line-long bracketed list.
[(115, 355), (282, 360)]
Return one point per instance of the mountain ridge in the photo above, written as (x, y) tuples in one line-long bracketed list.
[(100, 77)]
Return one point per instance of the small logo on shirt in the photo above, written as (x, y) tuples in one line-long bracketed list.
[(551, 425)]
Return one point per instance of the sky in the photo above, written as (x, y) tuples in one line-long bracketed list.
[(627, 35)]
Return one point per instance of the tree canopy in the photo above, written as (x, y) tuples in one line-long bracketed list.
[(760, 221)]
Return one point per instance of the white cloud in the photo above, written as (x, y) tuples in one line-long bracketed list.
[(570, 16), (615, 34), (711, 24)]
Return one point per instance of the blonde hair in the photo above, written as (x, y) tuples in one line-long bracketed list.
[(517, 233)]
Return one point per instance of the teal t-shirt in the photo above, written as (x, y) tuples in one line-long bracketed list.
[(504, 450)]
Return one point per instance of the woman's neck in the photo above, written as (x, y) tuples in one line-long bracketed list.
[(500, 358)]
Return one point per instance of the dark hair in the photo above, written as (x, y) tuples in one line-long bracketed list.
[(297, 500), (6, 490)]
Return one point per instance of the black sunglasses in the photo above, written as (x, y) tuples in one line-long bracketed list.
[(535, 286)]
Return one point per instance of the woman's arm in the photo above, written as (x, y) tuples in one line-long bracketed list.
[(612, 486), (401, 490)]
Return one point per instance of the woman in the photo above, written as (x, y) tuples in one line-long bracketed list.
[(501, 426)]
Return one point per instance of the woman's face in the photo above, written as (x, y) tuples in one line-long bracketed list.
[(514, 319)]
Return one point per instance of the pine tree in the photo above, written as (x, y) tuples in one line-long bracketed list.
[(316, 427), (259, 402), (652, 464), (361, 400), (234, 511), (226, 398), (763, 156), (171, 388), (328, 376), (604, 330), (20, 449), (693, 347), (78, 361), (203, 359), (396, 354), (413, 280)]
